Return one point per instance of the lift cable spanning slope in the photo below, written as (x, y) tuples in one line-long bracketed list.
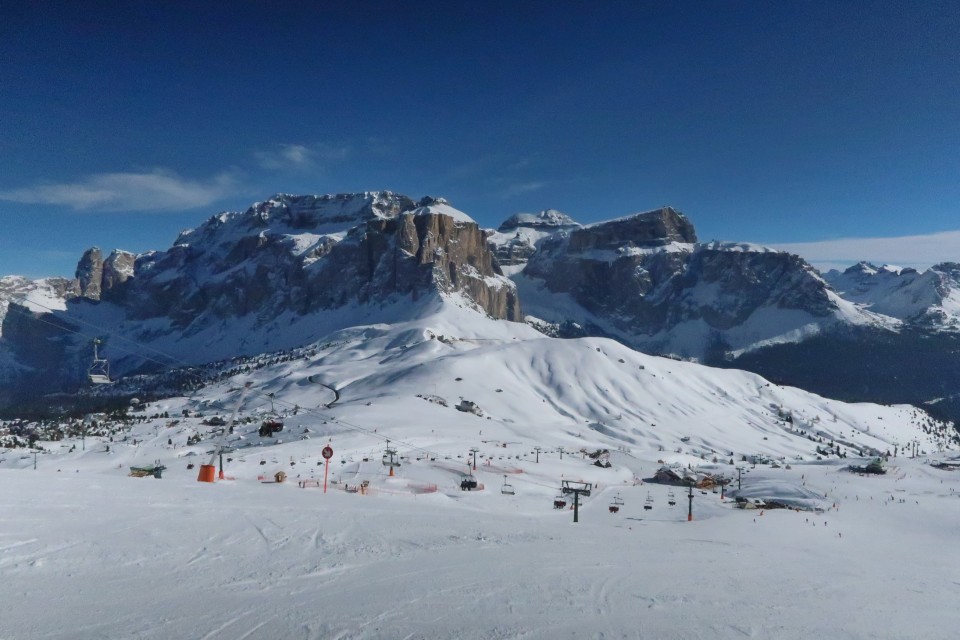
[(136, 348), (180, 362)]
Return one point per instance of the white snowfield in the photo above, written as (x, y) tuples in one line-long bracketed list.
[(86, 551)]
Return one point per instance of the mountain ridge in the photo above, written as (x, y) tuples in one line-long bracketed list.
[(291, 267)]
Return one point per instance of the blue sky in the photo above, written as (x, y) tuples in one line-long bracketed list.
[(784, 123)]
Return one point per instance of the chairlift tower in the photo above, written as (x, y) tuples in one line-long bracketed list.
[(208, 471), (390, 458), (474, 451), (537, 449), (577, 489)]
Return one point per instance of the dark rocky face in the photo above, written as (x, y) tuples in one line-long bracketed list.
[(644, 275), (298, 254)]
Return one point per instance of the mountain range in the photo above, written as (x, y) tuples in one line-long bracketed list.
[(292, 269)]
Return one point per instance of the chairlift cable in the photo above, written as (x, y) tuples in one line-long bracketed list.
[(101, 331)]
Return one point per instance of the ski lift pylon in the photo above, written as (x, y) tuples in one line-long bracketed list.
[(390, 458)]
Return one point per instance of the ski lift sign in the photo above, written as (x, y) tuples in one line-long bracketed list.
[(327, 453)]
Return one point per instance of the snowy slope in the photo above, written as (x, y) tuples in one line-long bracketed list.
[(38, 296), (929, 298), (413, 556), (591, 392)]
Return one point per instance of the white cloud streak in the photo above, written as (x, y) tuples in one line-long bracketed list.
[(919, 252), (299, 156), (158, 190), (521, 188)]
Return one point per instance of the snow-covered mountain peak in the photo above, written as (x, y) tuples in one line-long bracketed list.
[(285, 214), (440, 206), (547, 220), (929, 299)]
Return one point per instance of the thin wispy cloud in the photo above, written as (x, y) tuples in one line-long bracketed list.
[(918, 251), (521, 188), (283, 157), (157, 190)]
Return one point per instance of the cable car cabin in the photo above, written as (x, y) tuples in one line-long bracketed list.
[(468, 483)]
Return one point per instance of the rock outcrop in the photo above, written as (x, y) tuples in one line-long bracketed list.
[(516, 239), (245, 280), (89, 274), (645, 280), (96, 277)]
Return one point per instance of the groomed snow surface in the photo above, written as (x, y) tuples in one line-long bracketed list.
[(86, 551), (101, 555)]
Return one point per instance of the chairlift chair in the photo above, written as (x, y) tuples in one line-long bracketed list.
[(269, 426), (616, 504), (99, 371), (671, 500), (560, 502), (507, 489), (468, 483), (648, 504)]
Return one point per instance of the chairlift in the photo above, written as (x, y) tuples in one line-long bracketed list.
[(616, 504), (560, 502), (269, 426), (671, 500), (468, 483), (272, 423), (507, 489), (99, 371), (648, 503), (390, 457)]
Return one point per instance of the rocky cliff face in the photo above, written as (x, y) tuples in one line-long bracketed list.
[(516, 239), (305, 254), (97, 277), (289, 258), (645, 280), (89, 274)]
